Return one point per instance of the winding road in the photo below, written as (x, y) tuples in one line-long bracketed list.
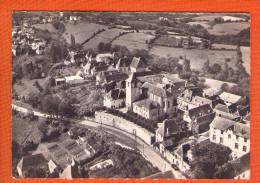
[(147, 151)]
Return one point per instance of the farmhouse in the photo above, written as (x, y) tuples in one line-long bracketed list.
[(185, 98), (123, 64), (199, 118), (229, 98), (114, 99), (232, 134), (137, 65), (167, 135), (105, 57), (233, 19), (72, 80)]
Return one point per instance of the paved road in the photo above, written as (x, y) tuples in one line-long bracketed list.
[(148, 151)]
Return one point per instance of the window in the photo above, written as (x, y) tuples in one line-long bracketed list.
[(245, 139), (214, 137), (236, 145), (221, 131), (237, 137), (168, 104), (229, 136), (244, 148), (221, 140)]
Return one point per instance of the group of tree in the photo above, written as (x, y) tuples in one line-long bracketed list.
[(59, 26), (210, 160)]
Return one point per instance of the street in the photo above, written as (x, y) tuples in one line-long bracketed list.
[(147, 151)]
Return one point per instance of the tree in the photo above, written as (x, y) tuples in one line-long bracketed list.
[(215, 69), (225, 171), (50, 104), (207, 157), (66, 109), (72, 40), (206, 67), (186, 65)]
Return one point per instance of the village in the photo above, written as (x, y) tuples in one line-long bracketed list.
[(115, 113)]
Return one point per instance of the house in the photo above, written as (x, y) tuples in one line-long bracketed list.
[(181, 158), (59, 81), (241, 167), (105, 57), (225, 111), (71, 171), (229, 98), (114, 98), (110, 76), (167, 135), (199, 118), (123, 64), (73, 80), (232, 134), (198, 101), (98, 68), (185, 98), (147, 108), (137, 65), (232, 19), (31, 162)]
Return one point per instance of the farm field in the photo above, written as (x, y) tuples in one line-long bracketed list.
[(202, 23), (81, 31), (46, 26), (198, 57), (134, 40), (24, 129), (228, 28), (104, 37), (207, 17)]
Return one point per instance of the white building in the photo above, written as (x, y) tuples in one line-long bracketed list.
[(232, 134)]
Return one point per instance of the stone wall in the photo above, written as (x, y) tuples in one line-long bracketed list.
[(125, 125)]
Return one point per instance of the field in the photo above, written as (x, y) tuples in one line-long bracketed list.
[(202, 23), (47, 26), (24, 129), (104, 37), (229, 28), (207, 17), (133, 40), (198, 57), (81, 31)]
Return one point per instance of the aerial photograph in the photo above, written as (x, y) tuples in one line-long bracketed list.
[(149, 95)]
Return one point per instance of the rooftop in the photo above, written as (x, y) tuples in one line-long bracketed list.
[(229, 97), (146, 103)]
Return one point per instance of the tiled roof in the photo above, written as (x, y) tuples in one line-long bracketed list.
[(242, 130), (146, 103), (157, 78), (116, 94), (241, 164), (222, 123), (168, 125), (211, 92), (32, 161), (137, 62), (200, 111), (158, 91), (229, 97), (201, 100), (124, 62), (117, 76), (222, 108)]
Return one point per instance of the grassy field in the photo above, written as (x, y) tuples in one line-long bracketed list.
[(134, 40), (207, 17), (198, 57), (24, 129), (47, 26), (202, 23), (81, 31), (104, 37), (229, 28)]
